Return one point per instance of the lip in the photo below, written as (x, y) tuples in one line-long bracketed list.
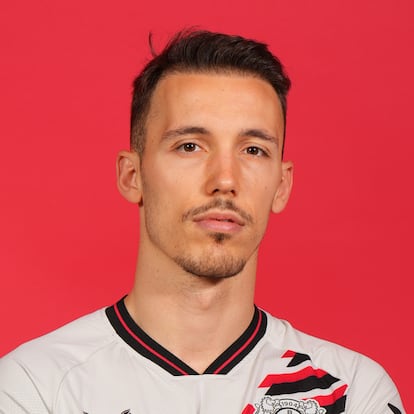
[(223, 222)]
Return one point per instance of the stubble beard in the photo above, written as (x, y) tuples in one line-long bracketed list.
[(207, 265), (212, 267)]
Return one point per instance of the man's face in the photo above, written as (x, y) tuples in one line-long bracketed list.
[(211, 171)]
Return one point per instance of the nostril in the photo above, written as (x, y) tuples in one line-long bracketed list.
[(224, 191)]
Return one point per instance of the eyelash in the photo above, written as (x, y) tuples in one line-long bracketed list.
[(184, 148), (262, 152)]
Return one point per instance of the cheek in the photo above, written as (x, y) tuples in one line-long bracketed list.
[(162, 193), (264, 194), (152, 192), (263, 203)]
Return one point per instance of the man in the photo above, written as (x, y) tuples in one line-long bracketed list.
[(206, 169)]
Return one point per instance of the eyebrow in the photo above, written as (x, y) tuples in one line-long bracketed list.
[(259, 133), (186, 130)]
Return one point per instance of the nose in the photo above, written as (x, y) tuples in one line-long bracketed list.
[(222, 172)]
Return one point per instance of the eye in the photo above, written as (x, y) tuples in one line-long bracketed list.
[(188, 147), (253, 150)]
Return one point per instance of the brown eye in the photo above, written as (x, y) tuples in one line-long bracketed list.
[(188, 147), (255, 151)]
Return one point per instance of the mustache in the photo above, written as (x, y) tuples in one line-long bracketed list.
[(219, 204)]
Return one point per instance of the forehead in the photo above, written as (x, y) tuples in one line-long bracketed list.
[(215, 98)]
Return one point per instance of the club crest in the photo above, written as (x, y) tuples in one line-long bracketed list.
[(271, 405)]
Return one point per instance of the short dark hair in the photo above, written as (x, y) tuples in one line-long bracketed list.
[(203, 51)]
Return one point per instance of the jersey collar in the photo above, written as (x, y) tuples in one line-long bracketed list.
[(136, 338)]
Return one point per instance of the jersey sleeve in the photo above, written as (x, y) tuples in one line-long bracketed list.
[(18, 391), (373, 391)]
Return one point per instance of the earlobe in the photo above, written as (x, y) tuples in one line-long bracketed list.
[(129, 176), (285, 187)]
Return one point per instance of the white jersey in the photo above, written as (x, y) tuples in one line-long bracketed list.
[(104, 363)]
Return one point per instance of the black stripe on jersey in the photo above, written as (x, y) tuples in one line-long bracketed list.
[(147, 347), (306, 384), (394, 409), (298, 359), (242, 346), (136, 338), (337, 407)]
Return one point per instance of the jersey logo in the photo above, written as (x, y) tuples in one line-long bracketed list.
[(272, 405)]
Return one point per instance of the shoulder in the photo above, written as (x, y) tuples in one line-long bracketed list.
[(325, 354), (68, 344), (366, 382), (36, 368)]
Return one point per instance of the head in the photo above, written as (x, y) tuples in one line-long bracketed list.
[(205, 167), (204, 52)]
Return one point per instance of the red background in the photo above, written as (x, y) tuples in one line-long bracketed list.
[(336, 263)]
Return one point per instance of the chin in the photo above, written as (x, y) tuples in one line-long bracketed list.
[(212, 267)]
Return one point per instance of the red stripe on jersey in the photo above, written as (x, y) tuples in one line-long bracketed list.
[(144, 344), (292, 377), (252, 336), (325, 400), (289, 354), (248, 410)]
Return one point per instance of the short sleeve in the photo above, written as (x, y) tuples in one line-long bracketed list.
[(373, 391)]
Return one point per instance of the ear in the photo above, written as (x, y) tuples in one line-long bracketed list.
[(129, 176), (285, 187)]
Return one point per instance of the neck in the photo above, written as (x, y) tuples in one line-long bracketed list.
[(194, 318)]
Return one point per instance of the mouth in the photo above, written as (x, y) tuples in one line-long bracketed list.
[(222, 222)]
